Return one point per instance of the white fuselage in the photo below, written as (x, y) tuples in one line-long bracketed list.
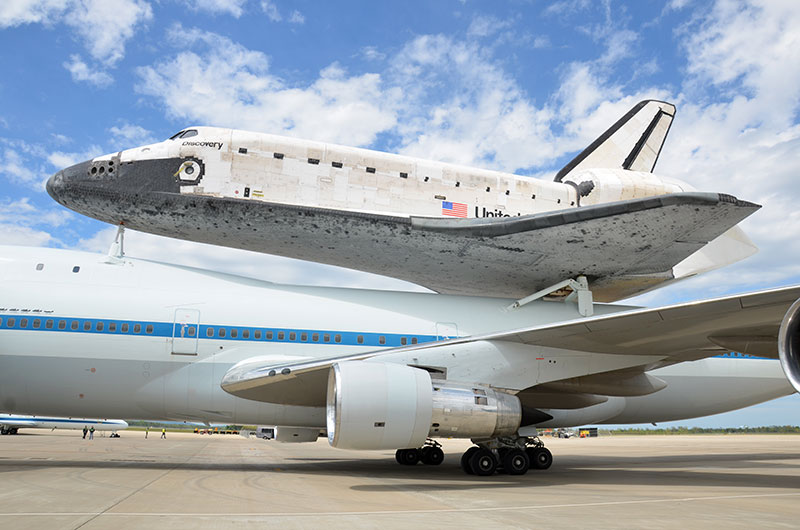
[(86, 335), (264, 167), (22, 421)]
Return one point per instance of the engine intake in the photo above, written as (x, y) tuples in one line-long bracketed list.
[(374, 405), (789, 344)]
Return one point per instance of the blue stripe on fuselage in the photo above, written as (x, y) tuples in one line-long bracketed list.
[(165, 329)]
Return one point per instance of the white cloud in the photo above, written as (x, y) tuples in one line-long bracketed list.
[(18, 12), (230, 7), (23, 223), (61, 160), (297, 17), (104, 26), (131, 135), (81, 72), (226, 84), (486, 25), (21, 163), (371, 53), (271, 10)]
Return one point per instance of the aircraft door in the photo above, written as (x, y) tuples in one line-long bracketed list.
[(446, 330), (185, 330)]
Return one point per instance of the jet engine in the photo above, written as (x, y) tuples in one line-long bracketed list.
[(373, 405), (789, 345)]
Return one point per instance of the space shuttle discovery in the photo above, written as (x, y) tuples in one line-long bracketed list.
[(605, 220)]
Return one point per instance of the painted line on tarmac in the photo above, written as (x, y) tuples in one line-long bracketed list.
[(396, 512)]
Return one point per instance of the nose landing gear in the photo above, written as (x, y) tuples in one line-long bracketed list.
[(430, 454)]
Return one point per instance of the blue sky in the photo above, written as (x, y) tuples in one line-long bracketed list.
[(517, 86)]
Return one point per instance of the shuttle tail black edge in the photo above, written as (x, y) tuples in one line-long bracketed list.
[(642, 155)]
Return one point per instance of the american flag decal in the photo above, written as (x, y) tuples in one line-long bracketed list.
[(454, 209)]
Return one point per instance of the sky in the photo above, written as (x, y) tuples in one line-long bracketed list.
[(518, 86)]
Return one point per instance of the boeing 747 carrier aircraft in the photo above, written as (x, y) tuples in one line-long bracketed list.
[(453, 229), (112, 336)]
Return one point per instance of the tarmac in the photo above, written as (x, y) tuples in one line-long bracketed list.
[(58, 480)]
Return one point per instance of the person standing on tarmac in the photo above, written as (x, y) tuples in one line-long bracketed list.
[(91, 433), (146, 432), (163, 434), (85, 430)]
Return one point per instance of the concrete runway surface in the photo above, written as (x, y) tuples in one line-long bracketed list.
[(57, 480)]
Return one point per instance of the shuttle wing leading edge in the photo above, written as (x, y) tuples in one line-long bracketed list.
[(623, 248)]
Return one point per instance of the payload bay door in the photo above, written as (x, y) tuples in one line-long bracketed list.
[(446, 330), (185, 330)]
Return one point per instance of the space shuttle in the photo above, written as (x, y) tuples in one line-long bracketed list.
[(607, 225)]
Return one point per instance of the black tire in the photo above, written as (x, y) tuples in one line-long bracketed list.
[(516, 462), (432, 456), (483, 463), (408, 457), (397, 455), (540, 457), (465, 459)]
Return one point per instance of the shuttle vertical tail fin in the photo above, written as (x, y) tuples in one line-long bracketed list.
[(633, 142)]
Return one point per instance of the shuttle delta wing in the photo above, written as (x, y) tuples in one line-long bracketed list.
[(623, 248), (622, 346)]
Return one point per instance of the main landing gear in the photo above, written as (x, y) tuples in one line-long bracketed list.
[(8, 430), (514, 456), (430, 454)]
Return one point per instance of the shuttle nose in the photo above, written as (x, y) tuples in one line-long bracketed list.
[(60, 184)]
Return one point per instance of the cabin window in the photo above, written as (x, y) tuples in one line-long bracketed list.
[(292, 335), (370, 170), (189, 133), (403, 175), (314, 161), (257, 334), (62, 324), (76, 268), (149, 329), (87, 326), (221, 332), (209, 332), (176, 135), (326, 337), (36, 323), (281, 335), (360, 339), (269, 335), (112, 327), (191, 331), (245, 333), (242, 150), (99, 326), (10, 322), (381, 340), (315, 337), (403, 341), (137, 328), (337, 338), (279, 156), (336, 164), (73, 324), (413, 340), (39, 266), (23, 322), (234, 333), (125, 327)]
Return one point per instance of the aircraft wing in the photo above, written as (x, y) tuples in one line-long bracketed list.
[(746, 323), (623, 248)]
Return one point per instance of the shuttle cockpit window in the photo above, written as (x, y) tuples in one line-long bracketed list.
[(184, 134)]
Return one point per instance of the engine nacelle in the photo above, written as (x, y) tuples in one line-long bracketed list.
[(604, 185), (789, 345), (374, 405)]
